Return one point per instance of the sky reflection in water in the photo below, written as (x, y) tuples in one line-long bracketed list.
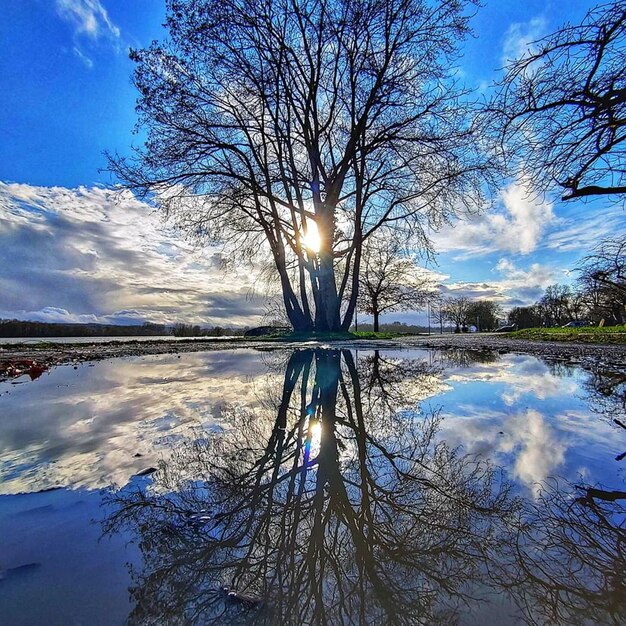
[(376, 473)]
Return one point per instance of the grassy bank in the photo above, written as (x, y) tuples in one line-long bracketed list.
[(585, 334), (292, 337)]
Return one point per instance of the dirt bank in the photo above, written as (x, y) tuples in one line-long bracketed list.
[(613, 353)]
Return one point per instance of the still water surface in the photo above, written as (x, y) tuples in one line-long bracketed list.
[(314, 487)]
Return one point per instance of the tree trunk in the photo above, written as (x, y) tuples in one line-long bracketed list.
[(354, 290), (298, 319), (327, 318), (327, 307), (376, 325)]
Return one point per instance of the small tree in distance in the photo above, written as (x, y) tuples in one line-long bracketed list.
[(436, 309), (554, 305), (461, 311), (455, 310), (390, 280), (484, 314), (525, 317)]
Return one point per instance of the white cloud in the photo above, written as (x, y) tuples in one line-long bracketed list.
[(540, 450), (83, 57), (58, 315), (582, 229), (50, 314), (535, 377), (519, 38), (536, 275), (91, 26), (89, 18), (522, 224), (524, 286), (516, 226), (99, 255), (515, 287), (528, 219), (466, 289), (84, 439), (530, 444)]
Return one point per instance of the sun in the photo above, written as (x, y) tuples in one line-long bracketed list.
[(311, 237)]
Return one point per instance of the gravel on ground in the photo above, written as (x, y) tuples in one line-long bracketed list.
[(46, 355)]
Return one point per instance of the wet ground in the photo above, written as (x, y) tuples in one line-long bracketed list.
[(48, 354)]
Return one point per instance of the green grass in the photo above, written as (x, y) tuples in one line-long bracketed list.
[(369, 334), (585, 334), (295, 337)]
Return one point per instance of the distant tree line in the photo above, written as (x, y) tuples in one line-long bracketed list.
[(193, 330), (562, 304), (401, 328), (559, 305), (19, 328), (462, 312), (599, 293)]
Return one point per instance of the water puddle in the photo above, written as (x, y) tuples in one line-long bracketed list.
[(314, 486)]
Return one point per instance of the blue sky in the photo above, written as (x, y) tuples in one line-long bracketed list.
[(68, 95), (69, 249)]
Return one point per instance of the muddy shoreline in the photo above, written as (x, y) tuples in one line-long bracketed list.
[(49, 355)]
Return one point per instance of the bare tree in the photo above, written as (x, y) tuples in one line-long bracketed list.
[(554, 305), (602, 275), (525, 317), (484, 314), (436, 303), (296, 128), (391, 280), (456, 310), (569, 558), (561, 109)]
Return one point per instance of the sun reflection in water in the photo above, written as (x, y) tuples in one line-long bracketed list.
[(313, 439)]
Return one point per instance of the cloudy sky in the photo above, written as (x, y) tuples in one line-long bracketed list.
[(72, 249)]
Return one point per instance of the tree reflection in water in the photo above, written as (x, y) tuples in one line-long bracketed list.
[(607, 391), (330, 507), (569, 561)]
